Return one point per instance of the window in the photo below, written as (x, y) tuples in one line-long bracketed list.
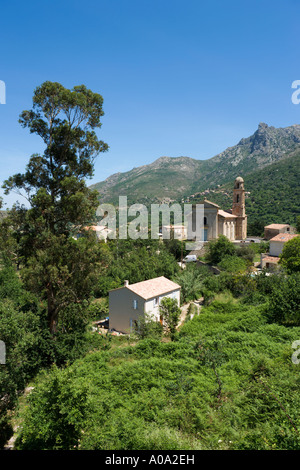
[(205, 221), (135, 304), (237, 198), (155, 302)]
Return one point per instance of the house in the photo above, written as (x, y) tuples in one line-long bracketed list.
[(271, 259), (179, 231), (128, 303), (270, 231), (217, 222), (277, 243), (101, 231)]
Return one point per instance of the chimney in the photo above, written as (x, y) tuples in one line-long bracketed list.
[(126, 283)]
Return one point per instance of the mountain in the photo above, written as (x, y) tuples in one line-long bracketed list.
[(173, 178), (272, 192)]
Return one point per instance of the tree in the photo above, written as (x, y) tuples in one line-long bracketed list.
[(61, 204), (284, 304), (170, 313), (147, 327), (298, 224), (219, 248), (290, 256)]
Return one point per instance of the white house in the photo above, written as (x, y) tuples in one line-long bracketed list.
[(271, 259), (128, 303), (179, 231)]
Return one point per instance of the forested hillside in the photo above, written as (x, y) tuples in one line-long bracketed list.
[(272, 193)]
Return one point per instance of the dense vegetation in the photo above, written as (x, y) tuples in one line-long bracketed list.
[(224, 379), (274, 195), (227, 381)]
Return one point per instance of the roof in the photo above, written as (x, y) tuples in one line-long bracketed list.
[(153, 287), (283, 237), (226, 214), (207, 202), (277, 226)]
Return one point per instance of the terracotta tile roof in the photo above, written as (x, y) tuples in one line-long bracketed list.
[(153, 287), (283, 237), (226, 214), (276, 226)]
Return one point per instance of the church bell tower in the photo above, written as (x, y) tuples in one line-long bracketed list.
[(239, 210)]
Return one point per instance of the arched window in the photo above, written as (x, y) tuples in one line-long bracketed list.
[(237, 198), (205, 221)]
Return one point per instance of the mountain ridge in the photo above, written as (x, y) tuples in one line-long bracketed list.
[(167, 178)]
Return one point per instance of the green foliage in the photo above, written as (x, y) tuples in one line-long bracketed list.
[(146, 327), (290, 256), (228, 382), (191, 280), (219, 248), (284, 304), (58, 408), (60, 202), (135, 260), (170, 313), (233, 264)]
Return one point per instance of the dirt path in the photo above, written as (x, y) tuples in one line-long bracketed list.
[(185, 308)]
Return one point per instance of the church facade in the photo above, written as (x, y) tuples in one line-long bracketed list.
[(217, 222)]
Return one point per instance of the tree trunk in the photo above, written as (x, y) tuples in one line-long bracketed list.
[(52, 310)]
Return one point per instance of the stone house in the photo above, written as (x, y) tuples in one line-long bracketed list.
[(270, 231)]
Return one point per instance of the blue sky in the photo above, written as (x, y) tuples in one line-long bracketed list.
[(178, 78)]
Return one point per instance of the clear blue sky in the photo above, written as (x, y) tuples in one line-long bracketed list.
[(178, 78)]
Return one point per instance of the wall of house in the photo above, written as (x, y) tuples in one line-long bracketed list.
[(152, 307), (272, 232), (276, 248), (122, 313)]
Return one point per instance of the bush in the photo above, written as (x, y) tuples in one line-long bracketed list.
[(233, 264), (218, 249)]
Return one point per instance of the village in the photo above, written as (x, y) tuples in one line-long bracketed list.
[(132, 301)]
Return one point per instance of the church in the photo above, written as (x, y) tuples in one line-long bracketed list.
[(217, 222)]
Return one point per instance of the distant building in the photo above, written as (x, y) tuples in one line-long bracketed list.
[(271, 259), (272, 230), (179, 232), (219, 222), (128, 303), (102, 232)]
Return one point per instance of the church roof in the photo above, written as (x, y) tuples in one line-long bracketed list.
[(206, 201), (226, 214)]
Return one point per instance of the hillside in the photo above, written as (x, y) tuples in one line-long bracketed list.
[(172, 178), (273, 193)]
